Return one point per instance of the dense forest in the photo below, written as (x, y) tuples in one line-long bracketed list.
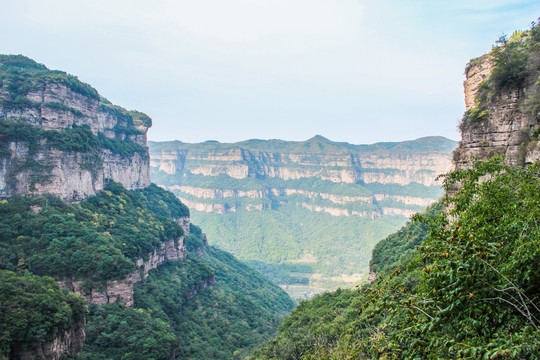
[(145, 283), (208, 305), (277, 204)]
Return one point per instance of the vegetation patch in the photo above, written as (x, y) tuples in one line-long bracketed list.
[(98, 239), (34, 310)]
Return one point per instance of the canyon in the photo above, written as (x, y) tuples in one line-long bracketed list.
[(276, 203)]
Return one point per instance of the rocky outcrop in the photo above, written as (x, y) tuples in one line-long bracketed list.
[(509, 121), (122, 290), (49, 103), (68, 343), (205, 283), (68, 175)]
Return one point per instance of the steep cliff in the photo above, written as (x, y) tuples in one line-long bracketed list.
[(278, 203), (502, 98), (59, 136)]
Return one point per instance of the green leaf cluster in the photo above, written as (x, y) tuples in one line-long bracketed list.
[(396, 250), (478, 294), (162, 202)]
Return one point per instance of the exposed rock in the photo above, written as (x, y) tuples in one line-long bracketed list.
[(476, 72), (398, 168), (71, 175), (507, 127), (318, 158), (210, 281), (122, 290), (372, 276), (184, 222), (68, 343)]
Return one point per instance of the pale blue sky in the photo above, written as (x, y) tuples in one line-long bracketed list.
[(355, 71)]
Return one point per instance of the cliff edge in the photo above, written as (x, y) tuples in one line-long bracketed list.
[(502, 98), (59, 136)]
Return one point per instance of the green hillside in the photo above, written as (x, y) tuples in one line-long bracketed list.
[(208, 305), (469, 291)]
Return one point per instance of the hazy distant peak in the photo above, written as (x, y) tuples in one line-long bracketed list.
[(319, 138)]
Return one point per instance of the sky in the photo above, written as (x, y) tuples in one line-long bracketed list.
[(350, 70)]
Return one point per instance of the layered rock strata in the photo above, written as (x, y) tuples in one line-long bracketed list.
[(210, 176), (508, 125), (122, 290), (55, 103), (68, 343)]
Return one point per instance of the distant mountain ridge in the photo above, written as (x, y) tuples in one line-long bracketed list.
[(428, 143), (256, 196)]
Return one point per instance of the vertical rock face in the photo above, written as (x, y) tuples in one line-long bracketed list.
[(122, 290), (69, 342), (314, 205), (73, 139), (499, 120), (399, 163)]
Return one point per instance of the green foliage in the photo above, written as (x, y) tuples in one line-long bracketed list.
[(196, 308), (470, 292), (140, 118), (326, 327), (21, 75), (397, 249), (62, 107), (71, 82), (98, 239), (21, 62), (290, 274), (116, 332), (516, 65), (478, 294), (312, 148), (33, 309), (328, 227), (278, 237), (162, 202), (74, 139), (227, 320), (510, 70)]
